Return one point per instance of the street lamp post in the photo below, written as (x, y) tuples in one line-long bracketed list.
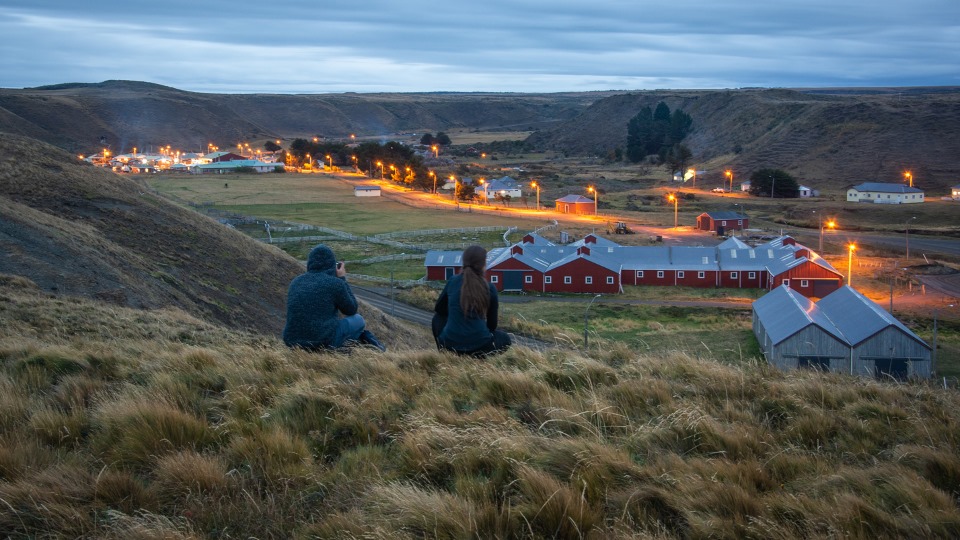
[(536, 185), (330, 160), (595, 204), (673, 198), (907, 234), (434, 176), (436, 151), (850, 249), (909, 177), (830, 225), (729, 175), (380, 164), (773, 182), (694, 171)]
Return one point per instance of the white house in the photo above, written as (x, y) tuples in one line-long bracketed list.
[(505, 187), (366, 191), (955, 192), (805, 192), (881, 193), (745, 186)]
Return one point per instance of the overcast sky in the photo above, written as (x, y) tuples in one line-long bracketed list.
[(308, 46)]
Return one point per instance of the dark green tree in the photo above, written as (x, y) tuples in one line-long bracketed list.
[(442, 139), (271, 146), (677, 157), (778, 182), (639, 133), (427, 139)]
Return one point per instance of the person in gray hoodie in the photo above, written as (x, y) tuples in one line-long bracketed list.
[(315, 301)]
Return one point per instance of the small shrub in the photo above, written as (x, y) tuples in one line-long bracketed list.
[(552, 509)]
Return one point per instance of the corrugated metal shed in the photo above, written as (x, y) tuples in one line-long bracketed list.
[(858, 317)]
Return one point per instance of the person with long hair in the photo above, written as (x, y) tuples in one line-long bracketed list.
[(465, 316)]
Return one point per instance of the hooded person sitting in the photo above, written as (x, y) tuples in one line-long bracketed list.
[(315, 301)]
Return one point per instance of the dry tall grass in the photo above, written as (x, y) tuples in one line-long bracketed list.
[(129, 424)]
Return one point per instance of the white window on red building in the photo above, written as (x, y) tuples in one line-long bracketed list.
[(567, 279), (786, 282), (528, 278), (733, 275), (701, 275), (609, 280), (548, 279), (804, 283), (494, 278), (752, 275), (639, 273), (588, 280), (680, 274), (659, 273)]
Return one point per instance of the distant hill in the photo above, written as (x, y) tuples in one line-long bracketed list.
[(78, 230), (829, 138), (126, 113)]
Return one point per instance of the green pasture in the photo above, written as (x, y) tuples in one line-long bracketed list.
[(723, 334)]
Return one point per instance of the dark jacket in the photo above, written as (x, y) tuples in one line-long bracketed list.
[(313, 301), (465, 333)]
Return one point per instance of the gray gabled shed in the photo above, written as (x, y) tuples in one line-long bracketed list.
[(794, 333), (880, 345)]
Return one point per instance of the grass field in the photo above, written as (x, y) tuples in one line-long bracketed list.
[(324, 200), (118, 423)]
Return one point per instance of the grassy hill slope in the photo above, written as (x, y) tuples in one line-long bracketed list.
[(826, 140), (127, 114), (79, 230), (123, 423)]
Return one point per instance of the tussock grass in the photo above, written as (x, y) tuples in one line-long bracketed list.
[(140, 429)]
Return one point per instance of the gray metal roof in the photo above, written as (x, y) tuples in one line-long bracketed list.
[(725, 214), (886, 188), (858, 317), (537, 240), (574, 199), (733, 243), (784, 312), (444, 258)]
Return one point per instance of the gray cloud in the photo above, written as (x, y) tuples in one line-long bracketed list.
[(301, 46)]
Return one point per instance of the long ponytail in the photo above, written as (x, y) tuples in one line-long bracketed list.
[(474, 292)]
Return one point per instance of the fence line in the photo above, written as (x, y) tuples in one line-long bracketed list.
[(430, 232)]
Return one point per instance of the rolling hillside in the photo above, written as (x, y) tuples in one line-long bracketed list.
[(74, 229), (824, 139), (127, 114)]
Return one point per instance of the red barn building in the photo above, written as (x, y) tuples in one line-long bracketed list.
[(575, 204), (722, 222)]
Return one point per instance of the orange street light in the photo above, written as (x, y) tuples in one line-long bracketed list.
[(591, 189), (729, 174), (483, 155), (436, 151), (909, 177), (316, 139), (694, 173), (434, 176), (330, 159), (380, 164), (850, 248), (536, 185), (673, 198)]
